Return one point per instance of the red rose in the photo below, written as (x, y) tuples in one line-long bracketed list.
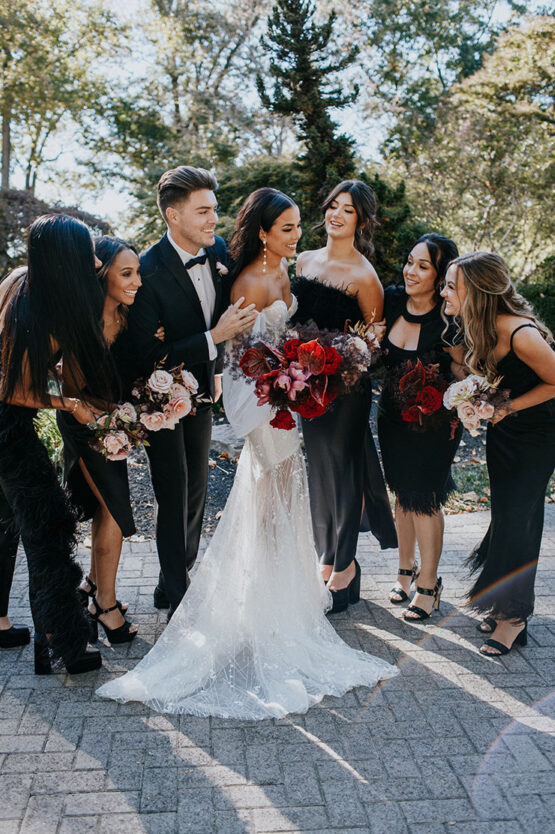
[(312, 356), (412, 414), (429, 399), (311, 408), (333, 360), (291, 348), (283, 420)]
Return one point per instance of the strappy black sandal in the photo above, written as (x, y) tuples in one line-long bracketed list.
[(121, 634), (489, 622), (429, 592), (402, 594), (520, 640), (84, 596)]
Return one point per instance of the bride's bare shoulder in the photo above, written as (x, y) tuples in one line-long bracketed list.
[(249, 286)]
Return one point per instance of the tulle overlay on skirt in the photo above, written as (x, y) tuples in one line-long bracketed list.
[(250, 639)]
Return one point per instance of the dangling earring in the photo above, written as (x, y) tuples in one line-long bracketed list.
[(265, 260)]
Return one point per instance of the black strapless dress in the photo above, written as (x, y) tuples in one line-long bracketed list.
[(417, 464), (520, 452), (109, 476), (345, 479)]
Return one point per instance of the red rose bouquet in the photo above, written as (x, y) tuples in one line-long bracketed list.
[(308, 369), (418, 391)]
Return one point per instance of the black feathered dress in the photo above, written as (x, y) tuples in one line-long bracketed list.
[(345, 480)]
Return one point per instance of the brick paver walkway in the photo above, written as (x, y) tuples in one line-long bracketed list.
[(456, 743)]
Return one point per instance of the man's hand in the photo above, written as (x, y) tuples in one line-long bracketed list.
[(217, 388), (234, 321)]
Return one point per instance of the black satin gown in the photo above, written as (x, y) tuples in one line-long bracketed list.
[(345, 480), (109, 476), (520, 452), (417, 463)]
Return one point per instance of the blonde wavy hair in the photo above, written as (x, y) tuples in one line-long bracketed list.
[(489, 293)]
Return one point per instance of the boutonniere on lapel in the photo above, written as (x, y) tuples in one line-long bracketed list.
[(221, 269)]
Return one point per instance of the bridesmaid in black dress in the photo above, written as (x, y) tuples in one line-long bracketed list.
[(417, 464), (334, 285), (49, 310), (504, 338), (100, 487)]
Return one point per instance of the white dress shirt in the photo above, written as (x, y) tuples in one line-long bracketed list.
[(201, 276)]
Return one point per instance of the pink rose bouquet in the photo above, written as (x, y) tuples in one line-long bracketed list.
[(116, 432), (475, 399)]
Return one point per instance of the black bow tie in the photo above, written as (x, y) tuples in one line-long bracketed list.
[(201, 259)]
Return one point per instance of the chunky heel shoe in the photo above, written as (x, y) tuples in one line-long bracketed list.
[(84, 595), (354, 586), (121, 634), (87, 661), (403, 596), (14, 636), (520, 640), (350, 594), (420, 612), (489, 623)]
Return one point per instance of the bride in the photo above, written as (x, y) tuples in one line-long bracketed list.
[(250, 639)]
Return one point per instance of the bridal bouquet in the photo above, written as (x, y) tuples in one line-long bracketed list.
[(308, 369), (157, 402), (475, 400), (418, 391)]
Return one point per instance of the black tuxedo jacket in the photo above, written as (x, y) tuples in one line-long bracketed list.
[(167, 297)]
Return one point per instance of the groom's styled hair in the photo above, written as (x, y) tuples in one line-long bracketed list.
[(175, 185)]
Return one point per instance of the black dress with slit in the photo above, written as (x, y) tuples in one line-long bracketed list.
[(417, 463), (520, 453), (345, 480), (109, 476)]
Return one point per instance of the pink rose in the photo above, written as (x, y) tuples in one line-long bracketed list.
[(127, 413), (189, 381), (177, 391), (177, 408), (154, 421), (160, 382), (469, 417), (116, 445), (484, 410)]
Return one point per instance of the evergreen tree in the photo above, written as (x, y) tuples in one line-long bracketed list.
[(303, 64)]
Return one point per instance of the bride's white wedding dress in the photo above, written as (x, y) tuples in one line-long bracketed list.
[(250, 639)]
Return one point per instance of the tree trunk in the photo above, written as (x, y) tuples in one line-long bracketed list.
[(6, 149)]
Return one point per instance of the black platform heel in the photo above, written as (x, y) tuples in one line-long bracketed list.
[(421, 613), (87, 661), (121, 634), (520, 640), (350, 594), (403, 596), (84, 596)]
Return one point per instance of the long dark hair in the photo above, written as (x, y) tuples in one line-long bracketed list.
[(107, 249), (366, 207), (442, 251), (260, 210), (60, 298)]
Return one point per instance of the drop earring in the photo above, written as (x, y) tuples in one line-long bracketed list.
[(265, 259)]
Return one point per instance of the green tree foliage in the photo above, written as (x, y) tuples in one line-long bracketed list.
[(50, 54), (540, 291), (486, 168), (18, 209), (304, 65)]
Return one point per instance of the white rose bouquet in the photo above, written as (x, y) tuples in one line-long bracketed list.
[(475, 399)]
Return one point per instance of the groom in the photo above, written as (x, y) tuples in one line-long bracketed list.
[(182, 291)]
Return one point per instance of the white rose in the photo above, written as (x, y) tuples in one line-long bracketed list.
[(160, 382), (189, 381)]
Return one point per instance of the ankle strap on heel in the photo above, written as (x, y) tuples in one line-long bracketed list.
[(99, 611), (429, 592)]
